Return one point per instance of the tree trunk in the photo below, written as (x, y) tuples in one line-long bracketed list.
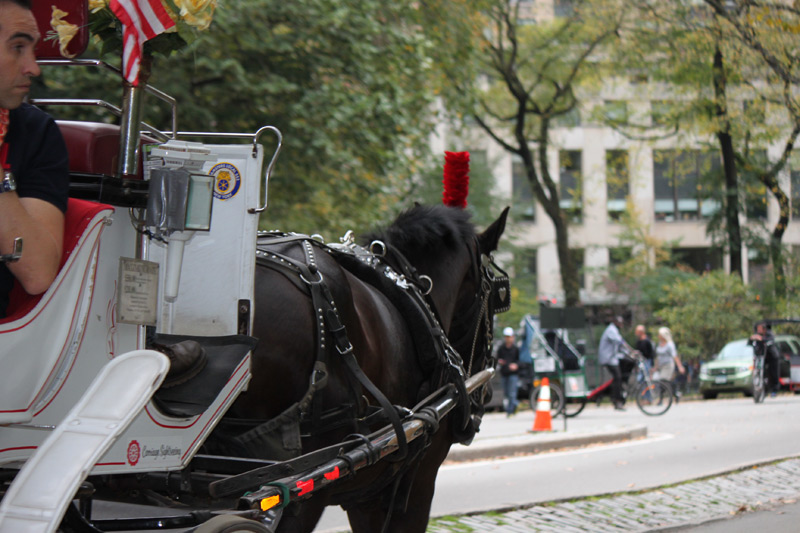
[(776, 237), (731, 201), (569, 270)]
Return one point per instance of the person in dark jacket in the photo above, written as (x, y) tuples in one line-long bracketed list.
[(508, 361), (764, 344)]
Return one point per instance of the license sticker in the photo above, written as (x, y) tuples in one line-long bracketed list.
[(227, 180)]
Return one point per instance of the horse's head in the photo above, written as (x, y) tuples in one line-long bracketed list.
[(443, 247)]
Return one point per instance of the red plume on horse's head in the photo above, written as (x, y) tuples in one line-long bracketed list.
[(456, 179)]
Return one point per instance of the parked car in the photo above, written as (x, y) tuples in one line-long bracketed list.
[(731, 370)]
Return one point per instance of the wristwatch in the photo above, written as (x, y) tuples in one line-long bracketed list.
[(9, 183)]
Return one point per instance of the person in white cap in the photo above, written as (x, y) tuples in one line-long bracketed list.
[(508, 361)]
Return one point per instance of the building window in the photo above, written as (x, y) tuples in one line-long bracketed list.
[(615, 111), (619, 256), (563, 8), (524, 203), (755, 192), (698, 259), (663, 112), (754, 111), (757, 266), (570, 119), (678, 184), (571, 184), (617, 182)]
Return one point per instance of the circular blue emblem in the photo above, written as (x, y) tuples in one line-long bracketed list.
[(227, 180)]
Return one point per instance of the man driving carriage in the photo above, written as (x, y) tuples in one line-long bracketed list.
[(35, 181)]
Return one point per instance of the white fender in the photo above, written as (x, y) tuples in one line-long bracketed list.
[(39, 495)]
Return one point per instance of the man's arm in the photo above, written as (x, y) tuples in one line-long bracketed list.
[(41, 226)]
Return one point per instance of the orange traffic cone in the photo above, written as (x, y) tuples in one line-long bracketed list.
[(543, 421)]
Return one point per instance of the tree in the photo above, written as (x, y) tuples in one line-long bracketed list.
[(708, 311), (351, 85), (645, 268), (530, 74), (704, 56), (770, 30)]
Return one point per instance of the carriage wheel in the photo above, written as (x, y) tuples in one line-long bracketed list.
[(574, 406), (230, 524)]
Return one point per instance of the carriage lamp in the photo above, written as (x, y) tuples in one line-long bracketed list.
[(179, 194)]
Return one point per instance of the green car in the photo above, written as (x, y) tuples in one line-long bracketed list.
[(731, 370)]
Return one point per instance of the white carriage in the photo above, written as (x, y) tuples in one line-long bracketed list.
[(81, 392)]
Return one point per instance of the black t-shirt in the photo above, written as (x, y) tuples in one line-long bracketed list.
[(38, 158), (509, 355), (645, 346)]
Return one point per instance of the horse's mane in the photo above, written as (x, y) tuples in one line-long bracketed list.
[(426, 231)]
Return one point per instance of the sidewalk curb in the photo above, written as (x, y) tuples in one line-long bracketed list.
[(533, 443)]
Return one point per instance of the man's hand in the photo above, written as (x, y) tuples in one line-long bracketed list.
[(513, 367), (41, 225)]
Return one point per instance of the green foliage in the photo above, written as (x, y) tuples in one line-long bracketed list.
[(350, 84), (708, 311)]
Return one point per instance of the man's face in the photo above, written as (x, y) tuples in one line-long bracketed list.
[(18, 36)]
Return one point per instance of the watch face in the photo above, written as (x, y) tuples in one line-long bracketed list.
[(9, 183)]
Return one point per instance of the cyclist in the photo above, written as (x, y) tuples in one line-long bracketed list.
[(763, 343)]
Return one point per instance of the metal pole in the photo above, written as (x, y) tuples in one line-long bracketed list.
[(130, 131)]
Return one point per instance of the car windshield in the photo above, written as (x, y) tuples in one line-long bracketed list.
[(736, 350)]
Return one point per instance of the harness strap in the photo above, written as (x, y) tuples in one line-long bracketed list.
[(327, 321)]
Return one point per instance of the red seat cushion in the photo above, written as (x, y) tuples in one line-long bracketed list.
[(79, 214), (94, 147)]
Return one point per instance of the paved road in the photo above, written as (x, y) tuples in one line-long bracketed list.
[(644, 485)]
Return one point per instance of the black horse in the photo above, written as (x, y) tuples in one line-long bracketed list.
[(434, 247)]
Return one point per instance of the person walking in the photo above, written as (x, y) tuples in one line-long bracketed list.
[(666, 357), (612, 347), (645, 347), (508, 360)]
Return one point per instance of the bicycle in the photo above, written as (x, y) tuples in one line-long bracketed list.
[(653, 397), (759, 387)]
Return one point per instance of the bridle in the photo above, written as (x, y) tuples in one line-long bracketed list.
[(492, 296)]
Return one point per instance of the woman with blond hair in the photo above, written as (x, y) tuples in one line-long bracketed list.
[(666, 360)]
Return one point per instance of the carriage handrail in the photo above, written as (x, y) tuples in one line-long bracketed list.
[(384, 442), (158, 134), (161, 95), (254, 136)]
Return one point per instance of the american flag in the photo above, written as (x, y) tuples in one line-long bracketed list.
[(141, 20)]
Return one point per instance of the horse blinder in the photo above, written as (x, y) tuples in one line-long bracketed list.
[(500, 286)]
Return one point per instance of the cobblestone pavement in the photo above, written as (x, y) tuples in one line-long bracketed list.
[(668, 508)]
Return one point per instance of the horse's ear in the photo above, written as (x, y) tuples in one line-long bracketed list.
[(491, 236)]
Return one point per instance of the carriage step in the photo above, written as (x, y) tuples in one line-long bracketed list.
[(39, 495)]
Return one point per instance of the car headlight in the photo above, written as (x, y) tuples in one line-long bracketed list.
[(743, 369), (703, 371)]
